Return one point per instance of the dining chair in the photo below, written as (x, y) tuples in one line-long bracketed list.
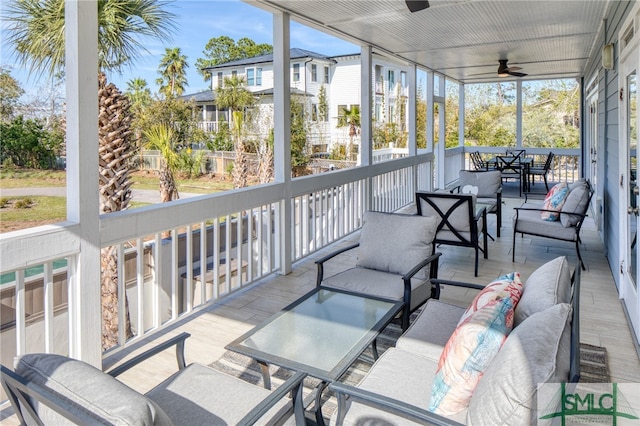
[(510, 168), (541, 171)]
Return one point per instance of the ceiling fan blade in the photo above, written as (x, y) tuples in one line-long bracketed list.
[(513, 69), (517, 74), (417, 5)]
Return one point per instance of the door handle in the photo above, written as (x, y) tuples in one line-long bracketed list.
[(632, 210), (636, 190)]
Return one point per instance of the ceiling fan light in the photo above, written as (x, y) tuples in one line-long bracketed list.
[(503, 74)]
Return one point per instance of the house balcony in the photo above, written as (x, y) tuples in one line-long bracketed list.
[(258, 245)]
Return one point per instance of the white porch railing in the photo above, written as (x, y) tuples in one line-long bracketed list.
[(173, 258)]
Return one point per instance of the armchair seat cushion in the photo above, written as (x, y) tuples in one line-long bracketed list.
[(410, 385), (529, 222), (199, 395), (379, 283)]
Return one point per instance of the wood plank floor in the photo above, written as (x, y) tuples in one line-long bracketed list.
[(603, 322)]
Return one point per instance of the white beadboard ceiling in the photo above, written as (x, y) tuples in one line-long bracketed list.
[(464, 39)]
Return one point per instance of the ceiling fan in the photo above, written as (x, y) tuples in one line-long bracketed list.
[(506, 71), (417, 5)]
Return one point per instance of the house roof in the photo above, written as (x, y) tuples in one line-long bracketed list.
[(294, 53), (210, 95)]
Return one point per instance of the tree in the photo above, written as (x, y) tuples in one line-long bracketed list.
[(161, 137), (139, 94), (36, 31), (350, 117), (26, 143), (10, 92), (219, 50), (299, 155), (234, 96), (172, 68)]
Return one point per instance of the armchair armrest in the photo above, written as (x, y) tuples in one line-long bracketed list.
[(320, 262), (178, 341), (394, 406), (293, 385), (436, 283), (580, 215), (434, 260)]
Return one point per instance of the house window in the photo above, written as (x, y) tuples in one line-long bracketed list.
[(392, 78), (296, 72), (234, 73), (403, 78), (251, 78), (326, 75), (314, 72), (220, 80), (258, 76)]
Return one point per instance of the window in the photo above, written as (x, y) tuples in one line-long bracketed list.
[(296, 72), (403, 78), (251, 78), (258, 76), (314, 112), (314, 72), (234, 73), (326, 75), (220, 80), (392, 78)]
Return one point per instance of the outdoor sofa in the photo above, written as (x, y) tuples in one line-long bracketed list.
[(543, 347)]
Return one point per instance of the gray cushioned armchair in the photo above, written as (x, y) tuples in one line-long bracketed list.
[(395, 260), (54, 389), (488, 190)]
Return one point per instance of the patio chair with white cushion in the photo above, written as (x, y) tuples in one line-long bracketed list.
[(487, 187), (55, 389), (395, 260)]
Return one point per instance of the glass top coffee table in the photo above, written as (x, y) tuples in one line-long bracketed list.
[(320, 334)]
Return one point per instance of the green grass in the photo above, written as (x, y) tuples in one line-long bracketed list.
[(33, 208), (29, 178)]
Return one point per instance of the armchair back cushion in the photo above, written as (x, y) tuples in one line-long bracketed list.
[(395, 242), (536, 351), (548, 285), (487, 182), (576, 202), (88, 390)]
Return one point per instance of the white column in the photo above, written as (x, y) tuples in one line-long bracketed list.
[(461, 114), (282, 132), (430, 133), (83, 204), (519, 114), (365, 152), (411, 113)]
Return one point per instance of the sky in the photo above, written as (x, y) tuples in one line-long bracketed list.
[(197, 22)]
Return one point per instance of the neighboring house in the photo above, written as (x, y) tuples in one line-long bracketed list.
[(310, 72)]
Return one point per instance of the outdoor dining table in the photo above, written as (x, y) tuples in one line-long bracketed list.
[(522, 164)]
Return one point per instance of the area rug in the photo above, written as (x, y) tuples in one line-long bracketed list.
[(593, 368)]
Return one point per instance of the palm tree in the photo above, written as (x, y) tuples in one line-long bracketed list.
[(172, 68), (36, 31), (140, 97), (352, 119), (161, 137), (234, 96)]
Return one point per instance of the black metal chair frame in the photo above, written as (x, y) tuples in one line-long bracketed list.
[(541, 171), (24, 395), (465, 202), (578, 226), (413, 413), (511, 168)]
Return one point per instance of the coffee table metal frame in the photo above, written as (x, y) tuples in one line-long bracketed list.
[(312, 325)]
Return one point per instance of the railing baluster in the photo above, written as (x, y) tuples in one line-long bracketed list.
[(49, 344)]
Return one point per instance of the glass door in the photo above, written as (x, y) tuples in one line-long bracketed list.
[(629, 189)]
